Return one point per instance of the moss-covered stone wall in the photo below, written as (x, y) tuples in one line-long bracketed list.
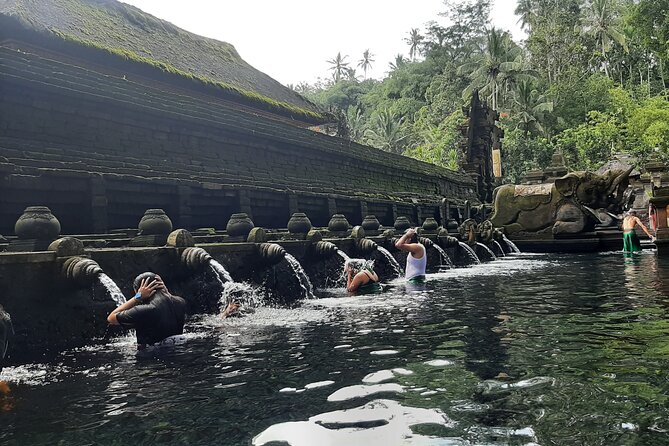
[(100, 149)]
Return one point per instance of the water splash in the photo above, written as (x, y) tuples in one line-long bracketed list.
[(247, 296), (114, 291), (220, 271), (389, 257), (302, 277), (446, 261), (488, 250), (511, 245), (501, 251), (472, 255)]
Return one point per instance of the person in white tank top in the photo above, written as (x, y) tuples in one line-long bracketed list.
[(416, 257)]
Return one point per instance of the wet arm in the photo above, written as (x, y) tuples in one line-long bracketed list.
[(125, 306), (644, 228)]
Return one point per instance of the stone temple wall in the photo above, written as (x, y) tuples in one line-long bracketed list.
[(99, 148)]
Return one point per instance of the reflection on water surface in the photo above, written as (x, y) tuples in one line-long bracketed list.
[(531, 349)]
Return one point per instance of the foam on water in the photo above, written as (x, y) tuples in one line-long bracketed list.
[(379, 422), (505, 267), (114, 291), (268, 317), (34, 374)]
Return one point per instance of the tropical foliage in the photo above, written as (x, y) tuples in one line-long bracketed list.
[(589, 80)]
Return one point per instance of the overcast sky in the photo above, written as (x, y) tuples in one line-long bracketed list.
[(291, 40)]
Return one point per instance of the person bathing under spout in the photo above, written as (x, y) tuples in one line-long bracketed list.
[(360, 276), (631, 241), (417, 257), (156, 315)]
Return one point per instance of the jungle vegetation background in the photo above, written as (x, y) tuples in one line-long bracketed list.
[(590, 79)]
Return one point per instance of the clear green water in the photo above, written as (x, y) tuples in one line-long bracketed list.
[(535, 349)]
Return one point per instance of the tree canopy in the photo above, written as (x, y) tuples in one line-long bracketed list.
[(589, 80)]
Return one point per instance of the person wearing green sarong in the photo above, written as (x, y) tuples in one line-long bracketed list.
[(360, 277), (631, 242)]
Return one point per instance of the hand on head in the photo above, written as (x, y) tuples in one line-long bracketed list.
[(148, 287)]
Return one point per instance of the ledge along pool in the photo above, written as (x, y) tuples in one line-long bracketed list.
[(530, 349)]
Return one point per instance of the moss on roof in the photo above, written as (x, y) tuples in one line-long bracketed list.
[(128, 32)]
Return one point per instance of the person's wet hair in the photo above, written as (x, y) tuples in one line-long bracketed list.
[(138, 280)]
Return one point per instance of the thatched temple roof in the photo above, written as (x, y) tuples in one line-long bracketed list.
[(121, 30)]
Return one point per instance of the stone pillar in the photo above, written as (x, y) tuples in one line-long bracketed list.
[(293, 206), (332, 206), (183, 208), (363, 208), (661, 202), (244, 203), (99, 203), (394, 211)]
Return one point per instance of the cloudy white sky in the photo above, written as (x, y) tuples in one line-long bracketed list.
[(291, 40)]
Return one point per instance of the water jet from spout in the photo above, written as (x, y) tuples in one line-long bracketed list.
[(301, 276), (391, 260), (470, 252), (487, 250), (511, 245)]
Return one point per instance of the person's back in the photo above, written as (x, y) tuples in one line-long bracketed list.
[(631, 242), (163, 316), (416, 257), (153, 312), (415, 268)]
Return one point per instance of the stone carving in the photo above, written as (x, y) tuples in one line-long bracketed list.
[(402, 223), (155, 222), (299, 223), (430, 224), (338, 223), (37, 222), (574, 203), (370, 223), (239, 225)]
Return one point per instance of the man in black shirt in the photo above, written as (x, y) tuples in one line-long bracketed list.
[(153, 312)]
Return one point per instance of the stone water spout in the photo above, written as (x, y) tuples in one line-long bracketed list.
[(365, 246), (271, 253), (195, 259), (325, 249), (81, 270), (84, 272)]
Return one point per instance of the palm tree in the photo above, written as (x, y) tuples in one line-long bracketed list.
[(601, 20), (399, 62), (386, 131), (531, 107), (498, 63), (527, 13), (366, 62), (339, 66), (414, 41)]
